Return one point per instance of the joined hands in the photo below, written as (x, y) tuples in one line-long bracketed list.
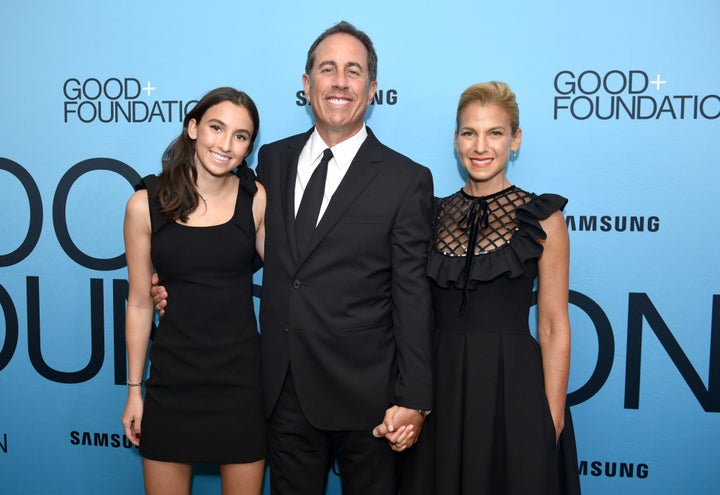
[(401, 427)]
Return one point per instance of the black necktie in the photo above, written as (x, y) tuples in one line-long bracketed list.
[(307, 214)]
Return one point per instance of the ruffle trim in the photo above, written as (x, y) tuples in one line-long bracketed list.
[(447, 271)]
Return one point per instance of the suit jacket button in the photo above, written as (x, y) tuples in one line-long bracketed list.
[(296, 284)]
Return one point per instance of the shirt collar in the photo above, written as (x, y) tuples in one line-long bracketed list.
[(343, 152)]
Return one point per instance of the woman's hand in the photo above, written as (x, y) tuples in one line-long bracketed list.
[(132, 417)]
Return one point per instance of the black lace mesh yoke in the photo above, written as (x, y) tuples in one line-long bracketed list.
[(479, 225)]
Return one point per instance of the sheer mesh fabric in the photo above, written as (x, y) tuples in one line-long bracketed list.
[(479, 225)]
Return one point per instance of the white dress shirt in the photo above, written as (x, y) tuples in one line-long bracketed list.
[(343, 155)]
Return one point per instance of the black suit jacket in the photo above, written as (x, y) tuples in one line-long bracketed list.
[(352, 315)]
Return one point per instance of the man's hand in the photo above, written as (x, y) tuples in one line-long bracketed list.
[(159, 294), (401, 427)]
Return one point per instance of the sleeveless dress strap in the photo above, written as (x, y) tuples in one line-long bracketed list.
[(246, 223), (149, 182)]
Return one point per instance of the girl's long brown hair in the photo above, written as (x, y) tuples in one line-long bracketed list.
[(176, 188)]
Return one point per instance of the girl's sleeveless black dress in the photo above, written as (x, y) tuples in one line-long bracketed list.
[(203, 400)]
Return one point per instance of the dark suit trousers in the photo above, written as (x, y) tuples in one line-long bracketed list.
[(301, 455)]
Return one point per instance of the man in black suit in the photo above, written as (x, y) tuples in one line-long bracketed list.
[(345, 308)]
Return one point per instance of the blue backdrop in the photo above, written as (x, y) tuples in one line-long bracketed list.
[(619, 107)]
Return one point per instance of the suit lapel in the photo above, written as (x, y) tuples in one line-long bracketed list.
[(289, 167), (362, 170)]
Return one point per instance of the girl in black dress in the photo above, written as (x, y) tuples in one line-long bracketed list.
[(198, 225)]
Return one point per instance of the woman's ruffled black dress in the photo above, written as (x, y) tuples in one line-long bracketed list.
[(490, 431)]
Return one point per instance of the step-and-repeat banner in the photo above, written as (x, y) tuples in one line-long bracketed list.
[(620, 110)]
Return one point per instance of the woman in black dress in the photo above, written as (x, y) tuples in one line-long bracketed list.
[(198, 225), (500, 425)]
